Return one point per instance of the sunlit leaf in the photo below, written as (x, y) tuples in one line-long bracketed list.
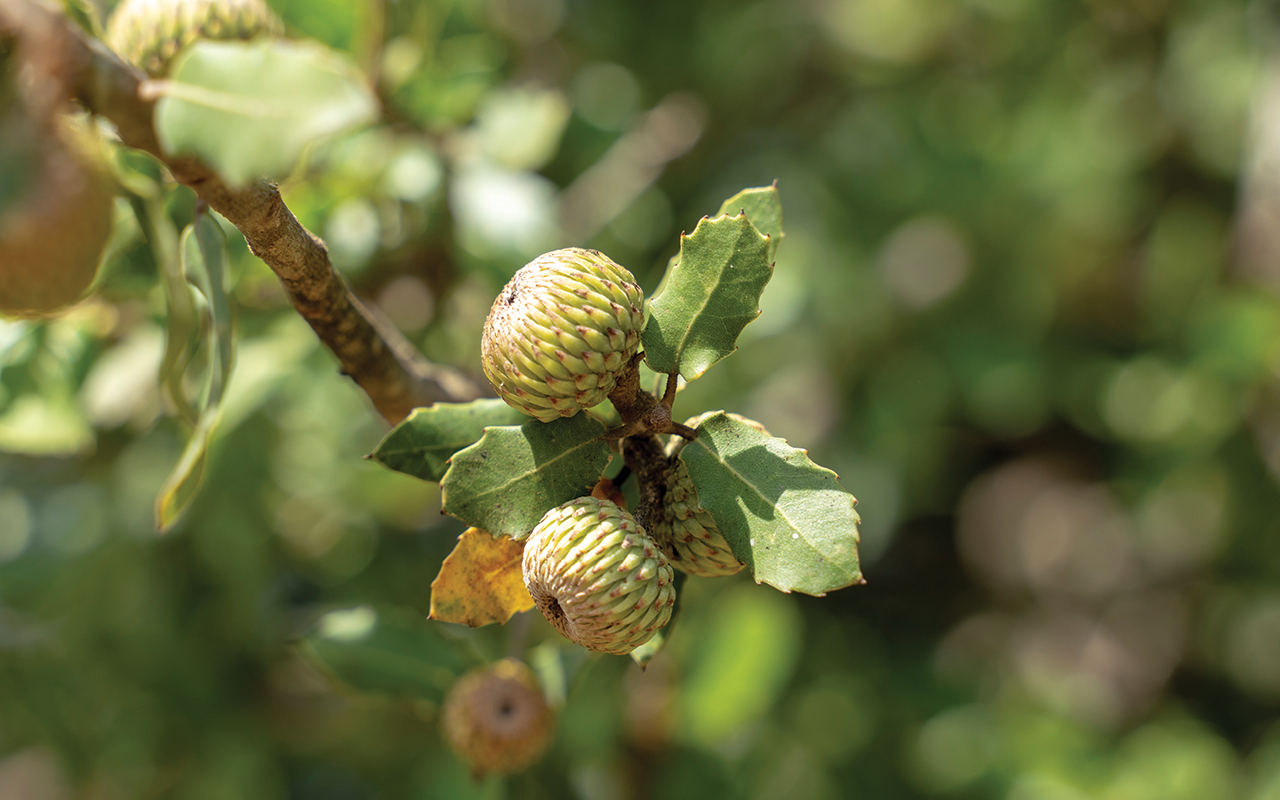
[(784, 516), (386, 651), (708, 297), (249, 108), (505, 482), (480, 582), (763, 207), (422, 444)]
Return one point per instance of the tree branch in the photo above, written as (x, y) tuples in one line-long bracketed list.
[(369, 348)]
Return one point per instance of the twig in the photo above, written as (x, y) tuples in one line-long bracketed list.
[(370, 350)]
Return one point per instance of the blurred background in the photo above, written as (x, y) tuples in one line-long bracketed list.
[(1026, 308)]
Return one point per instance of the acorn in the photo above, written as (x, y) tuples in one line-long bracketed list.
[(561, 332), (687, 532), (597, 577), (53, 236), (150, 33), (497, 719)]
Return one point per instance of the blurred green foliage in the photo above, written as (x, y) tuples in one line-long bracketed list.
[(1026, 307)]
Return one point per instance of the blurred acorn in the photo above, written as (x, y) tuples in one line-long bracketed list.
[(150, 33), (497, 719), (561, 331), (597, 577), (52, 233)]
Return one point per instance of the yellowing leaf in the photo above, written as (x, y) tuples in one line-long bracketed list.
[(480, 582)]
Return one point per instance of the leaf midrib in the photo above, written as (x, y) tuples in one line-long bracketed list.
[(709, 288), (539, 467)]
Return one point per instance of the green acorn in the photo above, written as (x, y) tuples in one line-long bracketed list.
[(150, 33), (597, 576), (497, 719), (686, 532), (561, 331)]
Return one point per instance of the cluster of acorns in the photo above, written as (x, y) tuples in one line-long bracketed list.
[(555, 343)]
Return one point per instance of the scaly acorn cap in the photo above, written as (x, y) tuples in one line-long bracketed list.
[(150, 33), (687, 532), (497, 718), (561, 331), (597, 577)]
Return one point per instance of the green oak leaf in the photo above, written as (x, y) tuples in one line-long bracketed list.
[(248, 109), (763, 207), (784, 516), (422, 444), (514, 474), (391, 651), (708, 297)]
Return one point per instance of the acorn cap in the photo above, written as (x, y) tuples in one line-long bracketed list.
[(597, 577), (497, 719), (150, 33), (561, 331), (687, 532)]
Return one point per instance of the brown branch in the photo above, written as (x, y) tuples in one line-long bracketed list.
[(369, 349), (644, 456), (641, 412)]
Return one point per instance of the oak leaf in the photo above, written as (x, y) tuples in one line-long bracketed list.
[(480, 582)]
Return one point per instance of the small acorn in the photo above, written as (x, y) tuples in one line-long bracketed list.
[(150, 33), (597, 577), (497, 719), (687, 532), (52, 238), (561, 331)]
